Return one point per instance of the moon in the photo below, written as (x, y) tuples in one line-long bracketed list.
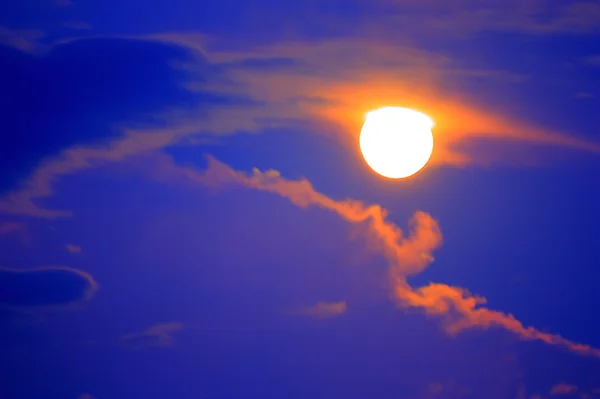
[(396, 142)]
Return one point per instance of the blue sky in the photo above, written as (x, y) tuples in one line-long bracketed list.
[(185, 212)]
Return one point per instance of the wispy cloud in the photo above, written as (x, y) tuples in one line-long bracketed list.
[(156, 335), (407, 254), (322, 310)]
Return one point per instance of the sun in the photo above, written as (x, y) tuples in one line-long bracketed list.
[(396, 142)]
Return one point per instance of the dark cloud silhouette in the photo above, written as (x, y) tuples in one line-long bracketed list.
[(45, 287)]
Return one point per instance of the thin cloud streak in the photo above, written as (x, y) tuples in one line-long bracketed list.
[(407, 254)]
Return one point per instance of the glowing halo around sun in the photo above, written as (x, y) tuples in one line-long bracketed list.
[(396, 142)]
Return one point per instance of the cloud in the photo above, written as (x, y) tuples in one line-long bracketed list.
[(328, 86), (353, 76), (322, 310), (73, 249), (156, 335), (460, 310), (343, 96), (45, 288), (407, 254), (563, 389)]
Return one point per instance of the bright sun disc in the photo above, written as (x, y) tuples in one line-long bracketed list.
[(396, 142)]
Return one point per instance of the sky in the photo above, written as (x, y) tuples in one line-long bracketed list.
[(185, 211)]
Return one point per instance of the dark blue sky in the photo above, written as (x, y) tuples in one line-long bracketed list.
[(143, 256)]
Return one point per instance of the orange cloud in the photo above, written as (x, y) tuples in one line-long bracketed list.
[(339, 81), (407, 254), (322, 310), (460, 310)]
